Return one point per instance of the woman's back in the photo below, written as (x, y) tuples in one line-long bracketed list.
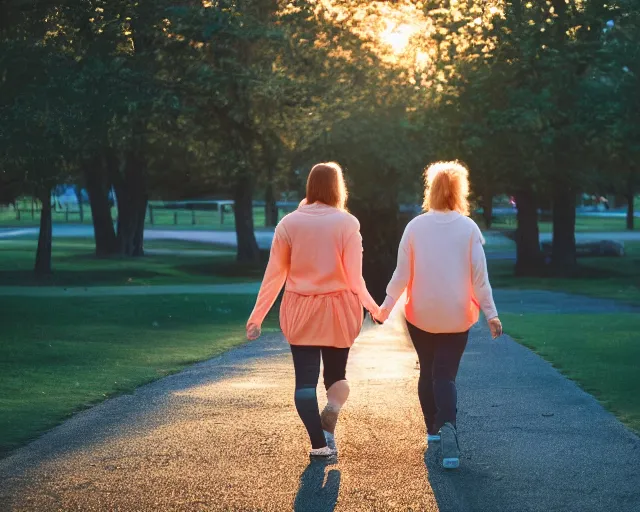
[(318, 235), (442, 265), (317, 253), (441, 290)]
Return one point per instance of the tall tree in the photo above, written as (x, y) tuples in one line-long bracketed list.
[(34, 126)]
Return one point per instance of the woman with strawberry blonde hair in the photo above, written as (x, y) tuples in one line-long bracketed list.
[(317, 252), (442, 267)]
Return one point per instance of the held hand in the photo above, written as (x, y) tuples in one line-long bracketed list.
[(382, 315), (496, 327), (253, 332)]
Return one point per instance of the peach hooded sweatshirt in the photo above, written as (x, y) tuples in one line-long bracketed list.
[(317, 252), (442, 266)]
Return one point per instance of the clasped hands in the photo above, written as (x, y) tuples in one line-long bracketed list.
[(381, 315)]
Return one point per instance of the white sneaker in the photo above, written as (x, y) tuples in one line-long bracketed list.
[(322, 453)]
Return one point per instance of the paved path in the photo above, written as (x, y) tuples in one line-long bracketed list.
[(224, 435), (12, 233), (85, 231)]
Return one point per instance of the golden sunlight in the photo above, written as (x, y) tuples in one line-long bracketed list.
[(399, 32), (397, 36)]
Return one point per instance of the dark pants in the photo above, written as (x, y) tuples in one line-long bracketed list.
[(306, 361), (439, 356)]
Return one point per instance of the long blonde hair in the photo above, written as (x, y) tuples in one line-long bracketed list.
[(446, 187)]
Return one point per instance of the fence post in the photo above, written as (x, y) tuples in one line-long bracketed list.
[(33, 210), (175, 218), (66, 214), (18, 213), (151, 214), (221, 214), (193, 217)]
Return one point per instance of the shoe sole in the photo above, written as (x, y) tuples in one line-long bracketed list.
[(451, 463)]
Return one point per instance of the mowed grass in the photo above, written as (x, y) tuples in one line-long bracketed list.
[(584, 224), (59, 356), (74, 264), (600, 352), (613, 278), (162, 218)]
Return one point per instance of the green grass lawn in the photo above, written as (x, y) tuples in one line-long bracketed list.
[(600, 352), (60, 356), (583, 224), (74, 264), (615, 278), (162, 218)]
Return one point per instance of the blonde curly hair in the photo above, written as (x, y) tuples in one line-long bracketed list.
[(446, 187)]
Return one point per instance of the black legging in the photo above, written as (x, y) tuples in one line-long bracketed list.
[(306, 361), (439, 356)]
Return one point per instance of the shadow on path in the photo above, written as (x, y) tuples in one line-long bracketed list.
[(315, 494), (449, 485)]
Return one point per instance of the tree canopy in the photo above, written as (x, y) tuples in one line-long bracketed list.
[(171, 99)]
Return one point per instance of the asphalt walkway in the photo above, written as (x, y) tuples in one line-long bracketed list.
[(224, 435)]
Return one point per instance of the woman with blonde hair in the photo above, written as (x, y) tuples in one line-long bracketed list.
[(317, 252), (442, 267)]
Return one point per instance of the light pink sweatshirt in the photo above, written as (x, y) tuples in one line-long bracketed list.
[(442, 265), (317, 252)]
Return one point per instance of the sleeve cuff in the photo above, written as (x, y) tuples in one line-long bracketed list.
[(388, 303), (491, 314)]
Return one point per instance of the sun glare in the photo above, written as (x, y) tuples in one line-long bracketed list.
[(398, 32), (397, 36)]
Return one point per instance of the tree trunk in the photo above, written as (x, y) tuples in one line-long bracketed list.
[(132, 198), (270, 206), (563, 248), (97, 184), (529, 261), (43, 252), (630, 201), (248, 251), (487, 210)]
